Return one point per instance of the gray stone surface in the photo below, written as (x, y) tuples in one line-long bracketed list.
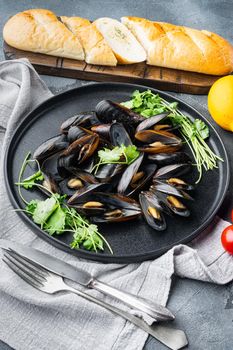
[(204, 311)]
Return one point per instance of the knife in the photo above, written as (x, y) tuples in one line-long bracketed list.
[(61, 268)]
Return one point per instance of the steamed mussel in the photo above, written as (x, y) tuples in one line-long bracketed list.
[(85, 119), (50, 147), (108, 111), (105, 207), (149, 186)]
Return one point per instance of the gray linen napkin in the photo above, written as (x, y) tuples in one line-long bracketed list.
[(32, 320)]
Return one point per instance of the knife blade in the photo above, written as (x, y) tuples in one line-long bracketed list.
[(49, 262), (64, 269)]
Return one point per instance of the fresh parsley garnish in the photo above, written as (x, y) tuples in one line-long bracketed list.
[(117, 155), (55, 217), (201, 128), (30, 181), (195, 133)]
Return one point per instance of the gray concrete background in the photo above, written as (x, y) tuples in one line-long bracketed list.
[(203, 310)]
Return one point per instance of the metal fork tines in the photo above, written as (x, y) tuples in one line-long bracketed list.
[(49, 282)]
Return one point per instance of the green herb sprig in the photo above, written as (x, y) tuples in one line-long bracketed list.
[(117, 155), (195, 133), (55, 217)]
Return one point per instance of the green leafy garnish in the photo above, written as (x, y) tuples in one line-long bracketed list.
[(30, 181), (56, 222), (44, 209), (110, 155), (117, 155), (55, 217), (148, 104), (201, 128), (31, 207)]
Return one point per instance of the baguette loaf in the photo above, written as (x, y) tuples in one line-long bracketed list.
[(184, 48), (124, 45), (39, 30), (96, 49)]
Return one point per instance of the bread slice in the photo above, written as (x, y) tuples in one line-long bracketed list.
[(184, 48), (96, 49), (40, 30), (124, 45)]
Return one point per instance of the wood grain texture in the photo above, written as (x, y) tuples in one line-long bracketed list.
[(140, 73)]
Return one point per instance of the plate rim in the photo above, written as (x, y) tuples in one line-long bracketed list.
[(81, 253)]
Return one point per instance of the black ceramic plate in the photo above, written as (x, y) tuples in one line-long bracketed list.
[(132, 241)]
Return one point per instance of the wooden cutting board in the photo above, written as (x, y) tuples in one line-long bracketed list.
[(139, 73)]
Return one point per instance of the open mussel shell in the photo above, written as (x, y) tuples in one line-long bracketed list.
[(118, 208), (82, 148), (86, 193), (50, 147), (147, 123), (107, 172), (108, 111), (135, 177), (117, 215), (50, 183), (70, 185), (117, 201), (168, 203), (162, 159), (85, 119), (90, 208), (64, 163), (159, 147), (152, 136), (180, 184), (172, 171), (83, 175), (169, 189), (157, 201), (174, 204), (76, 132), (152, 214), (119, 135), (148, 170), (128, 174), (102, 130)]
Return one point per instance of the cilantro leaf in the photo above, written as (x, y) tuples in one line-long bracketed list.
[(131, 153), (31, 206), (123, 154), (30, 181), (88, 237), (201, 128), (56, 222), (44, 209), (110, 155)]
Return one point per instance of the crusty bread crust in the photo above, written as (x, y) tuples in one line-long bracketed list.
[(184, 48), (166, 45), (96, 49), (40, 30)]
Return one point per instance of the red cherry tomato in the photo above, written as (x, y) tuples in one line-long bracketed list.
[(227, 239)]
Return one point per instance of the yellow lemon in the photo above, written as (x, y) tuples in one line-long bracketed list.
[(220, 102)]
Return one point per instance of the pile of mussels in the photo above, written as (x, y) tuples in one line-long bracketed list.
[(150, 186)]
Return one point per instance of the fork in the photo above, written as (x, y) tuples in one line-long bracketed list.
[(51, 283)]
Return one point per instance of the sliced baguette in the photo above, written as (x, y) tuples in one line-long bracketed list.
[(39, 30), (184, 48), (96, 49), (124, 45)]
